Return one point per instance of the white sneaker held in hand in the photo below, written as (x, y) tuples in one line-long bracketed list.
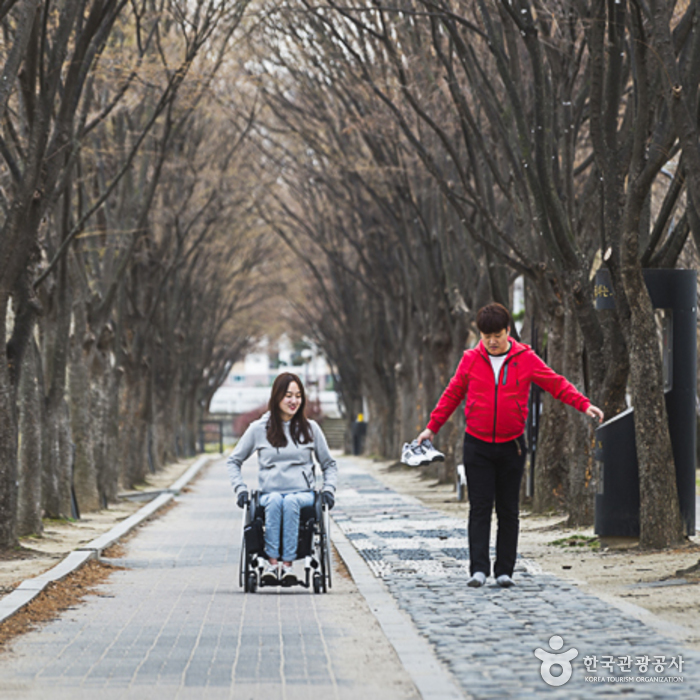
[(413, 455), (431, 453)]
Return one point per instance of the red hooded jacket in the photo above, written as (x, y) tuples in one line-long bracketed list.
[(497, 411)]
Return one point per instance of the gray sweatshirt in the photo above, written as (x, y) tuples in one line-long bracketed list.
[(282, 469)]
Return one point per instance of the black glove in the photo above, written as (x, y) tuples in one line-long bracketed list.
[(328, 499), (243, 499)]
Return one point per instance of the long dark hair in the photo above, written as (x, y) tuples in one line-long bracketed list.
[(299, 427)]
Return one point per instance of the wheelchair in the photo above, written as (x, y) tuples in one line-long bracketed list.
[(313, 546)]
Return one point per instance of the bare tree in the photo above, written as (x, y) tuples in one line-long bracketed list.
[(63, 103), (534, 135), (55, 58)]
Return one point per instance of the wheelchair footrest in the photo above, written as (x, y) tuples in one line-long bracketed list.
[(304, 581)]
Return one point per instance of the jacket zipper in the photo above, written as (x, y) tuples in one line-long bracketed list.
[(495, 411), (504, 372)]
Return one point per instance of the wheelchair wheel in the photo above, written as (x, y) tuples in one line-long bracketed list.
[(243, 568), (325, 551), (329, 550), (318, 583), (251, 583), (246, 572), (322, 577)]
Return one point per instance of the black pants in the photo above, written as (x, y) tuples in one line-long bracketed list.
[(494, 471)]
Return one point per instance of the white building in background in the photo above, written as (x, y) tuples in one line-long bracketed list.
[(248, 384), (518, 300)]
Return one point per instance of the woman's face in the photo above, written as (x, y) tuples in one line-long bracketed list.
[(291, 402)]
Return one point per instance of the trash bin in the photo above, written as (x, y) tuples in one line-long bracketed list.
[(617, 500)]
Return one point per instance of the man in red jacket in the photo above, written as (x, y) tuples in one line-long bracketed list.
[(495, 379)]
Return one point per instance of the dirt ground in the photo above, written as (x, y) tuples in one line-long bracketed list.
[(637, 582), (60, 537)]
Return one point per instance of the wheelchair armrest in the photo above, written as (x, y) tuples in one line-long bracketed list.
[(318, 504), (255, 507)]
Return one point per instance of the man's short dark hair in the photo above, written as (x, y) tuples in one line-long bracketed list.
[(492, 318)]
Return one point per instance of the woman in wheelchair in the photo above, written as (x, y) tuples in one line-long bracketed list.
[(286, 442)]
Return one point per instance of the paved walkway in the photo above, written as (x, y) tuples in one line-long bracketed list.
[(175, 624)]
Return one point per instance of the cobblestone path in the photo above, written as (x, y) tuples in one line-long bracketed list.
[(488, 636)]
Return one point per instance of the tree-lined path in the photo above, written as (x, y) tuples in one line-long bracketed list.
[(179, 181)]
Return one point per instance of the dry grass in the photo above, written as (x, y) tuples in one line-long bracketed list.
[(339, 568), (56, 597), (116, 551)]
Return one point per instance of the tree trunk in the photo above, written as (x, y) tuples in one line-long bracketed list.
[(133, 433), (189, 425), (82, 414), (582, 472), (168, 411), (107, 436), (550, 467), (660, 522), (440, 367), (408, 400), (381, 427), (160, 431), (30, 400), (578, 455), (50, 497), (56, 483), (8, 441), (58, 459)]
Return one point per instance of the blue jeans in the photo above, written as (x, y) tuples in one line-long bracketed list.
[(282, 512)]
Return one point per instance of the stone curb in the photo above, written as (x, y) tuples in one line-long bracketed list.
[(30, 588), (433, 680)]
